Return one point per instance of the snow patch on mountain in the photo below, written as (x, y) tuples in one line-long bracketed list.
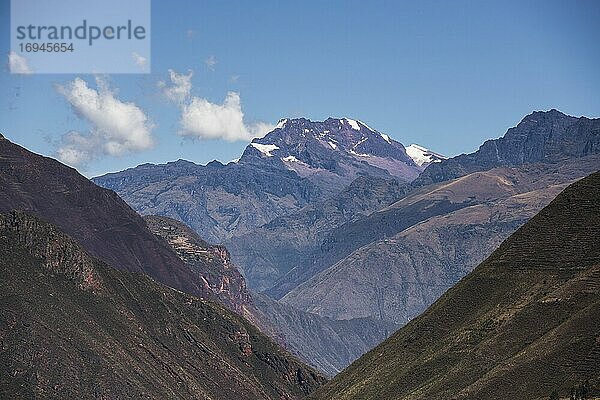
[(281, 123), (422, 155), (265, 149), (290, 159), (352, 123)]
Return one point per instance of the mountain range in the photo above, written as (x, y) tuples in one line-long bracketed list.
[(325, 237), (298, 163), (172, 254), (384, 247), (524, 324)]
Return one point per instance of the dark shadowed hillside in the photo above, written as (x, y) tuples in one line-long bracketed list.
[(523, 325), (103, 223), (73, 328)]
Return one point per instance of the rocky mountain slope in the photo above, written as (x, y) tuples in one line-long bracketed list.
[(222, 280), (73, 327), (103, 223), (289, 242), (523, 325), (299, 162), (324, 343), (542, 136), (397, 277)]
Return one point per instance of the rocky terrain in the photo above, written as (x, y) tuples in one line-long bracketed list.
[(291, 241), (396, 276), (73, 327), (324, 343), (299, 162), (222, 280), (542, 136), (523, 325)]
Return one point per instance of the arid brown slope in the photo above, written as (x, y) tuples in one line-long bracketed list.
[(97, 218), (396, 278), (73, 328), (524, 324)]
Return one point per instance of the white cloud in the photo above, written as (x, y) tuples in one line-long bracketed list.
[(203, 119), (139, 60), (117, 127), (178, 90), (17, 64), (210, 62)]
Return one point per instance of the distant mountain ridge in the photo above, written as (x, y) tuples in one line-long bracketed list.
[(402, 269), (542, 136), (546, 138)]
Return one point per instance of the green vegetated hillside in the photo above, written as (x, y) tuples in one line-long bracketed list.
[(71, 327), (525, 324)]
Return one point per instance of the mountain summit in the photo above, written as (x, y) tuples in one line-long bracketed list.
[(298, 163), (334, 150)]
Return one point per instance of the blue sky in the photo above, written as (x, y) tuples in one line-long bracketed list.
[(443, 74)]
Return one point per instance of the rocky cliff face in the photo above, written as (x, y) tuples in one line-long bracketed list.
[(222, 280), (546, 137), (72, 327), (523, 325)]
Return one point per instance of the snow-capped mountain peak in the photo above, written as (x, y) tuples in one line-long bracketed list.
[(333, 149), (423, 156)]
